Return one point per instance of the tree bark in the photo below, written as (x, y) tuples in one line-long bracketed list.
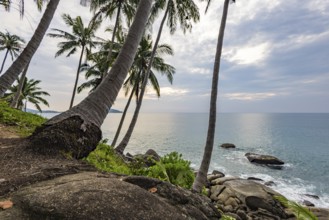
[(14, 103), (123, 144), (77, 77), (201, 177), (9, 77), (4, 60), (77, 131)]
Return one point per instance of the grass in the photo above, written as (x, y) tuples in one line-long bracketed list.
[(23, 123)]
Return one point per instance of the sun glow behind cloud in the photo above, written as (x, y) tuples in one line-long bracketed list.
[(249, 54)]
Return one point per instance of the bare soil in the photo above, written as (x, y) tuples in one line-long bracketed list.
[(21, 167)]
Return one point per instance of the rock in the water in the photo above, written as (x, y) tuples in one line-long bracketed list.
[(255, 179), (312, 196), (308, 203), (263, 159), (227, 145), (269, 183), (91, 195), (216, 172)]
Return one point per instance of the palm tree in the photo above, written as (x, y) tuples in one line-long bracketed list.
[(77, 131), (201, 177), (15, 101), (137, 74), (7, 5), (31, 92), (12, 44), (9, 77), (81, 36), (182, 11), (125, 7)]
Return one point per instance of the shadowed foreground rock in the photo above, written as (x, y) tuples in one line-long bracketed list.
[(91, 195)]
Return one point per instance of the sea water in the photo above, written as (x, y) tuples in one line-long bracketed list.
[(300, 140)]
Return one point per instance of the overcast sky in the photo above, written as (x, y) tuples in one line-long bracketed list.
[(275, 58)]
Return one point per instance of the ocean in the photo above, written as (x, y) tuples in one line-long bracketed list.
[(301, 140)]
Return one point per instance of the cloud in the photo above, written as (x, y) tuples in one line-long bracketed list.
[(249, 96)]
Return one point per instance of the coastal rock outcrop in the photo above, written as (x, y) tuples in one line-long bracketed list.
[(92, 195), (246, 199), (227, 145), (263, 159)]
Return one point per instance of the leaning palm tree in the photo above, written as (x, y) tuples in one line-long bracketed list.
[(77, 131), (31, 92), (121, 7), (137, 74), (81, 36), (201, 177), (176, 11), (12, 44), (9, 77), (21, 5)]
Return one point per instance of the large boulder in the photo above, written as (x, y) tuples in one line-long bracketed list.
[(91, 195), (246, 199), (227, 145), (263, 159)]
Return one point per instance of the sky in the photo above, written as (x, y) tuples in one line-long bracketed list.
[(275, 58)]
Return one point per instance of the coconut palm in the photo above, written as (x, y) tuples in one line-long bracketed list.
[(77, 131), (121, 7), (7, 5), (81, 37), (137, 74), (184, 12), (31, 92), (12, 44), (15, 101), (9, 77), (201, 177)]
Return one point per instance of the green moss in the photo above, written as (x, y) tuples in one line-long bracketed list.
[(23, 123)]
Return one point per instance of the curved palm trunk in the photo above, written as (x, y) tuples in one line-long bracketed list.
[(200, 179), (9, 77), (14, 103), (109, 56), (77, 77), (77, 131), (122, 146), (117, 133), (4, 60)]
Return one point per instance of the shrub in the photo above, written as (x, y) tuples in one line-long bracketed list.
[(174, 169)]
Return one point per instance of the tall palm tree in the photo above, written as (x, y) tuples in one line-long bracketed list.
[(15, 101), (183, 12), (201, 177), (12, 44), (81, 36), (137, 74), (125, 7), (31, 92), (9, 77), (7, 5), (77, 131)]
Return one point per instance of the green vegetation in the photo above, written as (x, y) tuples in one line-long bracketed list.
[(21, 122), (301, 212), (172, 167)]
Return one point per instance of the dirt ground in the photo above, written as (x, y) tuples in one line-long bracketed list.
[(20, 167)]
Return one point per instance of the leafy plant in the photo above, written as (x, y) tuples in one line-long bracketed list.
[(174, 169), (105, 158), (301, 213)]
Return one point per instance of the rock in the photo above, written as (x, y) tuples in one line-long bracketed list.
[(255, 200), (216, 172), (269, 183), (152, 153), (227, 145), (91, 195), (263, 159), (222, 180), (308, 203), (322, 214), (212, 177), (255, 178), (312, 196)]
